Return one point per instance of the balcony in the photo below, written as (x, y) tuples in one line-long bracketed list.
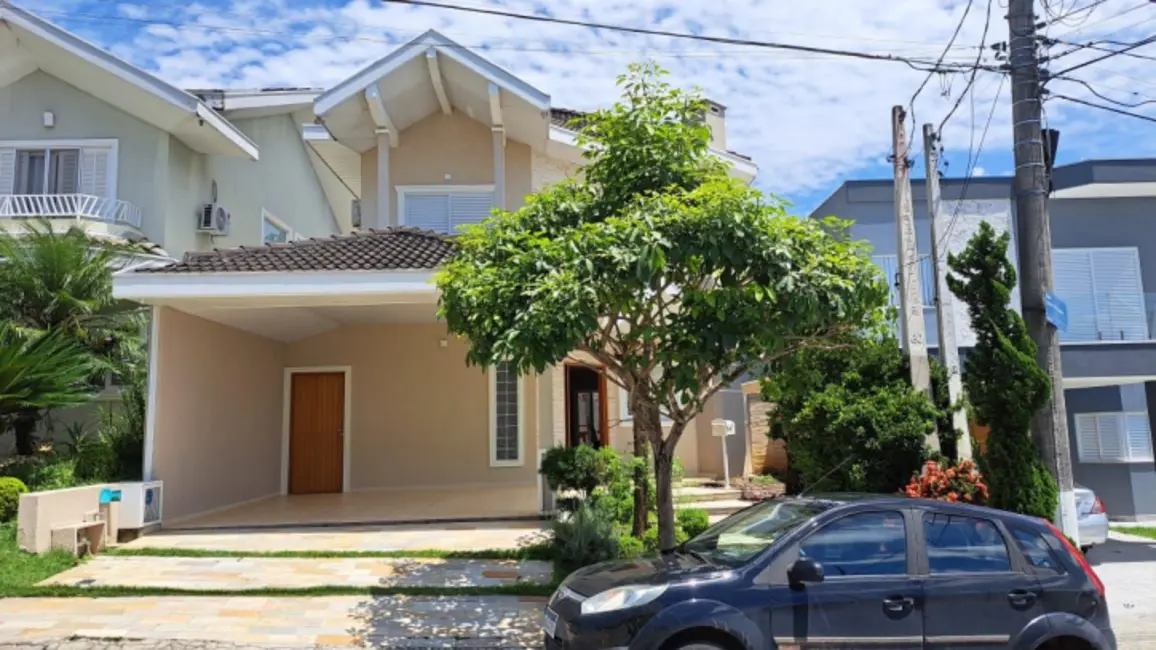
[(81, 207)]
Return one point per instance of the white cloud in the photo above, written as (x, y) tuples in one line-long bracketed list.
[(979, 171), (808, 120)]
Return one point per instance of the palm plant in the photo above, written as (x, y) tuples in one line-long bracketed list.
[(61, 282), (42, 371)]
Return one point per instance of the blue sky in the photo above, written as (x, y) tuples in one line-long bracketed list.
[(810, 121)]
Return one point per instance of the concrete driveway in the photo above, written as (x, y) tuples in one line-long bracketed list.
[(1127, 565)]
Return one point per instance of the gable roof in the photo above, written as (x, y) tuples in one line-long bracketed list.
[(388, 249), (99, 73)]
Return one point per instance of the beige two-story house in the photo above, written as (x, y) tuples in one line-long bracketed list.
[(311, 380)]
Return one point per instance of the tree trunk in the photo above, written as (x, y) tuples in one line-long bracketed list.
[(640, 482), (23, 426), (664, 494)]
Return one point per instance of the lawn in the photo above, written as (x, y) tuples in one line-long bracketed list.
[(1142, 531), (20, 570)]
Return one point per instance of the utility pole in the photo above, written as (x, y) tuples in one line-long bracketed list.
[(910, 303), (1050, 424), (945, 301)]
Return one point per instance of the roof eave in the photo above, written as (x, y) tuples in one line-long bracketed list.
[(741, 168)]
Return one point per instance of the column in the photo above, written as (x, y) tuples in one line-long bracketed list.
[(384, 198)]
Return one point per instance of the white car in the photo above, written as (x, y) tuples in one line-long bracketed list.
[(1093, 518)]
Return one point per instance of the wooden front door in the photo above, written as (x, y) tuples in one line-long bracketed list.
[(316, 432)]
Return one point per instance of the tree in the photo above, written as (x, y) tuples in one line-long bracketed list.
[(850, 416), (62, 282), (45, 370), (1004, 383), (657, 269)]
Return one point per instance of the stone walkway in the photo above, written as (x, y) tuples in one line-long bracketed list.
[(340, 621), (450, 537), (256, 573)]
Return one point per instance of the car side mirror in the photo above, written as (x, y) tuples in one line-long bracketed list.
[(804, 570)]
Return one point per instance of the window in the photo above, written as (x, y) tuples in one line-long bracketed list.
[(58, 167), (626, 414), (444, 208), (273, 230), (890, 266), (505, 417), (866, 544), (958, 544), (1113, 437), (1104, 293), (1036, 550)]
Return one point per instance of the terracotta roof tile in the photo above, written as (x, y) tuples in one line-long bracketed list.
[(388, 249)]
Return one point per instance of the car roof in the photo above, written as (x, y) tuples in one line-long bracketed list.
[(858, 501)]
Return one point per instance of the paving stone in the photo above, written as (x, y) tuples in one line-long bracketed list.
[(290, 573)]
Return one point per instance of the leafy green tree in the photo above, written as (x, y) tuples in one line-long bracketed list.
[(1005, 385), (41, 371), (62, 282), (657, 266), (850, 417)]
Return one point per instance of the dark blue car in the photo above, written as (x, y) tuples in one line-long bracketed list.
[(844, 571)]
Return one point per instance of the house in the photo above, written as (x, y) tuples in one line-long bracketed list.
[(1104, 269), (310, 381)]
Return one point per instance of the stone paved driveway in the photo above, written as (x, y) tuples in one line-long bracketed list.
[(341, 621), (255, 573)]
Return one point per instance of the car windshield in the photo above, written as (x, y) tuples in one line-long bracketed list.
[(745, 534)]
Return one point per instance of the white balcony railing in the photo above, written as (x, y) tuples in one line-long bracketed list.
[(69, 206)]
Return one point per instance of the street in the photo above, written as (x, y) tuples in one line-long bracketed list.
[(1127, 565)]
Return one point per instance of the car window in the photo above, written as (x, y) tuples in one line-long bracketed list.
[(958, 544), (864, 544), (1036, 550)]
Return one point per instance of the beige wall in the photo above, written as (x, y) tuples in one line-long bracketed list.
[(445, 144), (40, 512), (421, 417), (217, 430)]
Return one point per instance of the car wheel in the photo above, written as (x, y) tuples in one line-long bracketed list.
[(698, 645)]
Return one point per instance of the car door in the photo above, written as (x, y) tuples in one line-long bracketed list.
[(976, 591), (867, 598)]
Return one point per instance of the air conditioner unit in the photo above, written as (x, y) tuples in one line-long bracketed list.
[(140, 504), (355, 212), (214, 219)]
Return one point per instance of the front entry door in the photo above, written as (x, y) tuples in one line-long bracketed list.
[(316, 432)]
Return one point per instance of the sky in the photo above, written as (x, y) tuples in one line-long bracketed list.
[(810, 121)]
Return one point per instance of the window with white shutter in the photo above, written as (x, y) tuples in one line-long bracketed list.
[(890, 266), (53, 167), (1113, 437), (95, 172), (444, 209), (7, 170), (1104, 293)]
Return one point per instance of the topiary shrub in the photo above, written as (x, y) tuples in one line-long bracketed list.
[(580, 468), (584, 539), (693, 521), (10, 490), (957, 483)]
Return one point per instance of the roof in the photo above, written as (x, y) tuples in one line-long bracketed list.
[(390, 249), (101, 74)]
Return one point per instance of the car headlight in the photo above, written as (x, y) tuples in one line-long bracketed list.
[(621, 598)]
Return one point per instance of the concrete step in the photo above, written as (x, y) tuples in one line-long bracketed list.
[(714, 508), (694, 493)]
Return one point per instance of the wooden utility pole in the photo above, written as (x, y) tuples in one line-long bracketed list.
[(1050, 424), (944, 300), (910, 303)]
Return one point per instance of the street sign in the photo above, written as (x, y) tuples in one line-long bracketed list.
[(1057, 311)]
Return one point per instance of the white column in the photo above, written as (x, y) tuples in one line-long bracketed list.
[(499, 167), (148, 472), (384, 198)]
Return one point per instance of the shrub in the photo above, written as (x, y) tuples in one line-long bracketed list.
[(580, 468), (584, 539), (630, 547), (963, 483), (693, 521), (43, 472), (650, 539), (10, 491)]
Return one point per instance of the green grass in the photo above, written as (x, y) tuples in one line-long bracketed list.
[(539, 552), (63, 591), (20, 570), (1142, 531)]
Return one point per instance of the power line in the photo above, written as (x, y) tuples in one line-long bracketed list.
[(946, 49), (912, 62), (1087, 26), (1137, 44), (1095, 45), (1059, 19), (1105, 97), (1105, 108), (974, 70)]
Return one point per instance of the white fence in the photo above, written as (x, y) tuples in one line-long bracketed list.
[(69, 206)]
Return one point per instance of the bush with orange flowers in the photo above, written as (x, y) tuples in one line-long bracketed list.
[(962, 483)]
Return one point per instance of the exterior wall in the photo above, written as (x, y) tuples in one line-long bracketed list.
[(188, 190), (403, 433), (1108, 222), (141, 147), (282, 182), (217, 422), (445, 144), (545, 171), (40, 512)]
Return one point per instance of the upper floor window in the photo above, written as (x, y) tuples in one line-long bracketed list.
[(444, 208), (273, 230), (1104, 293), (58, 167), (1113, 437)]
